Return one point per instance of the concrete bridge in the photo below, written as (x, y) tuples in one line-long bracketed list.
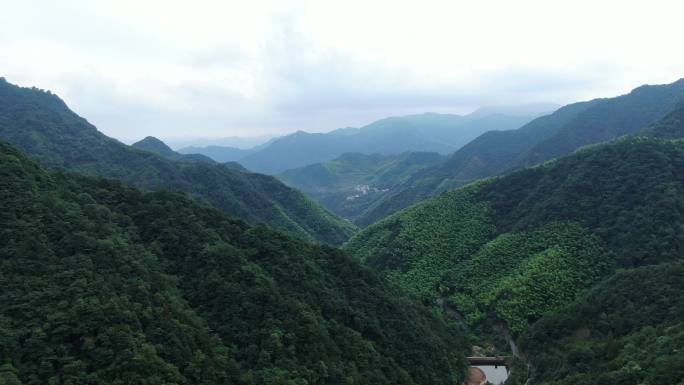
[(490, 361)]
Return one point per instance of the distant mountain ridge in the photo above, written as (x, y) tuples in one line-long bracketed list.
[(429, 132), (219, 154), (241, 142), (547, 137), (40, 124)]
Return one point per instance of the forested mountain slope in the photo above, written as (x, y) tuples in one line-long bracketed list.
[(517, 247), (627, 330), (430, 132), (557, 134), (670, 127), (41, 125), (351, 183), (101, 283), (609, 119)]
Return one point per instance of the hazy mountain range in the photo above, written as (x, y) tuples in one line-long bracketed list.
[(239, 142), (429, 132)]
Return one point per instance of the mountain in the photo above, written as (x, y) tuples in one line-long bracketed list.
[(101, 283), (351, 183), (503, 252), (41, 125), (608, 119), (156, 146), (627, 330), (442, 133), (220, 154), (160, 148), (547, 137)]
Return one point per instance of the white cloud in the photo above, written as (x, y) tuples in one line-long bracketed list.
[(222, 68)]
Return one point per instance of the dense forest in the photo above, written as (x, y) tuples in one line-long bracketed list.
[(509, 250), (352, 183), (545, 138), (103, 283), (627, 330), (42, 126)]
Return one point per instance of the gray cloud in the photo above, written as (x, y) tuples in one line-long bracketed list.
[(143, 77)]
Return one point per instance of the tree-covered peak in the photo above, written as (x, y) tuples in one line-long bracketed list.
[(152, 144)]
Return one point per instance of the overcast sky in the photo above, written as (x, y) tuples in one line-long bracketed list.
[(247, 68)]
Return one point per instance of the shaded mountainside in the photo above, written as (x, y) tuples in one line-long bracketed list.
[(41, 125), (103, 283), (428, 132), (511, 249), (627, 330), (670, 127), (351, 183), (547, 137)]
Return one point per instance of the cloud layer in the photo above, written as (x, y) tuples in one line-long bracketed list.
[(216, 68)]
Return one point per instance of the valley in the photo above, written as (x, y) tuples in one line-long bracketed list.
[(354, 182), (559, 258)]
